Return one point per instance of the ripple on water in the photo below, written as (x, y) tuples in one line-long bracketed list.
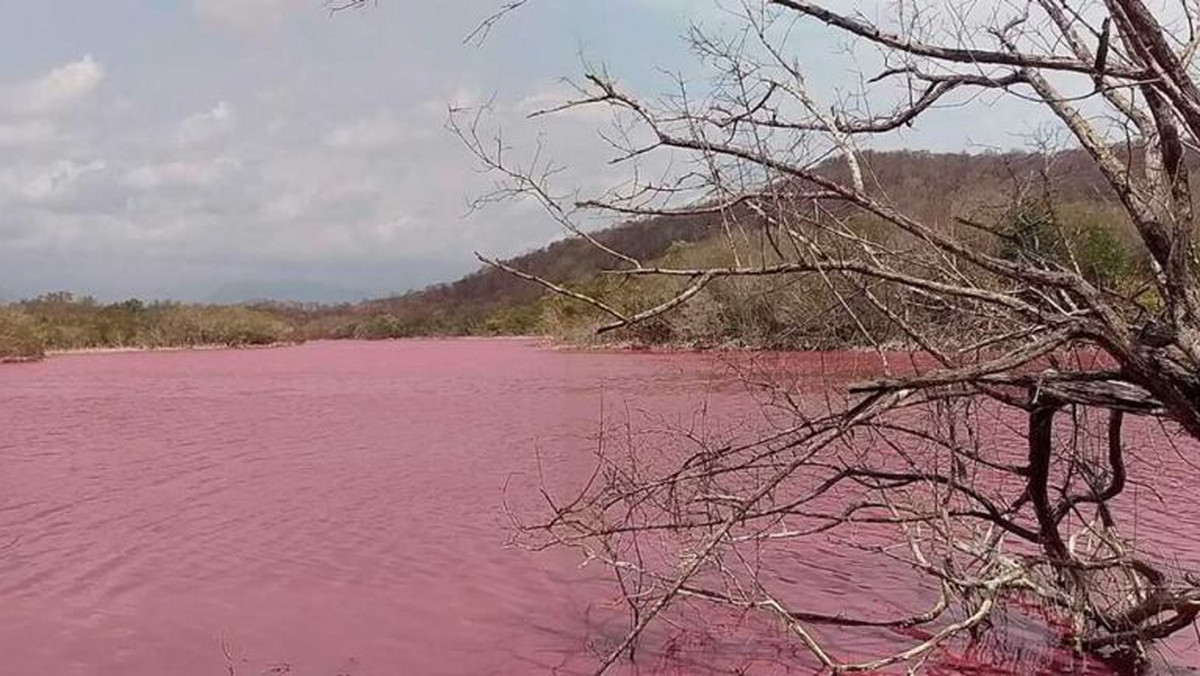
[(336, 507)]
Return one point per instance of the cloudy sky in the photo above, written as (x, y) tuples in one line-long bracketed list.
[(199, 148)]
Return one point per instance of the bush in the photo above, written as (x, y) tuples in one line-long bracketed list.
[(20, 339), (62, 322), (1088, 236)]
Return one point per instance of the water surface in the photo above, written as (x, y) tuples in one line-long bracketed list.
[(332, 509)]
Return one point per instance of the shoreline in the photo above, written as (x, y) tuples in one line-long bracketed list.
[(134, 349), (566, 344), (549, 342), (29, 359)]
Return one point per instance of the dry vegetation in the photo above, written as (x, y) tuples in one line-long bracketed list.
[(753, 313), (61, 321), (1065, 305)]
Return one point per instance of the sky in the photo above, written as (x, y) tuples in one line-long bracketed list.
[(212, 149)]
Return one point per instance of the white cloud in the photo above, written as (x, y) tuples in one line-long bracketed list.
[(206, 126), (25, 134), (373, 133), (463, 97), (58, 90), (47, 184), (247, 16), (182, 174)]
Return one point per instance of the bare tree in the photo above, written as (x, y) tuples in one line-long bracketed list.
[(1037, 339)]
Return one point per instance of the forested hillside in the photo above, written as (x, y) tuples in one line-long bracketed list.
[(1050, 207)]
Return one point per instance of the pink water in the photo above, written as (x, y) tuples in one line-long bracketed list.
[(335, 509)]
